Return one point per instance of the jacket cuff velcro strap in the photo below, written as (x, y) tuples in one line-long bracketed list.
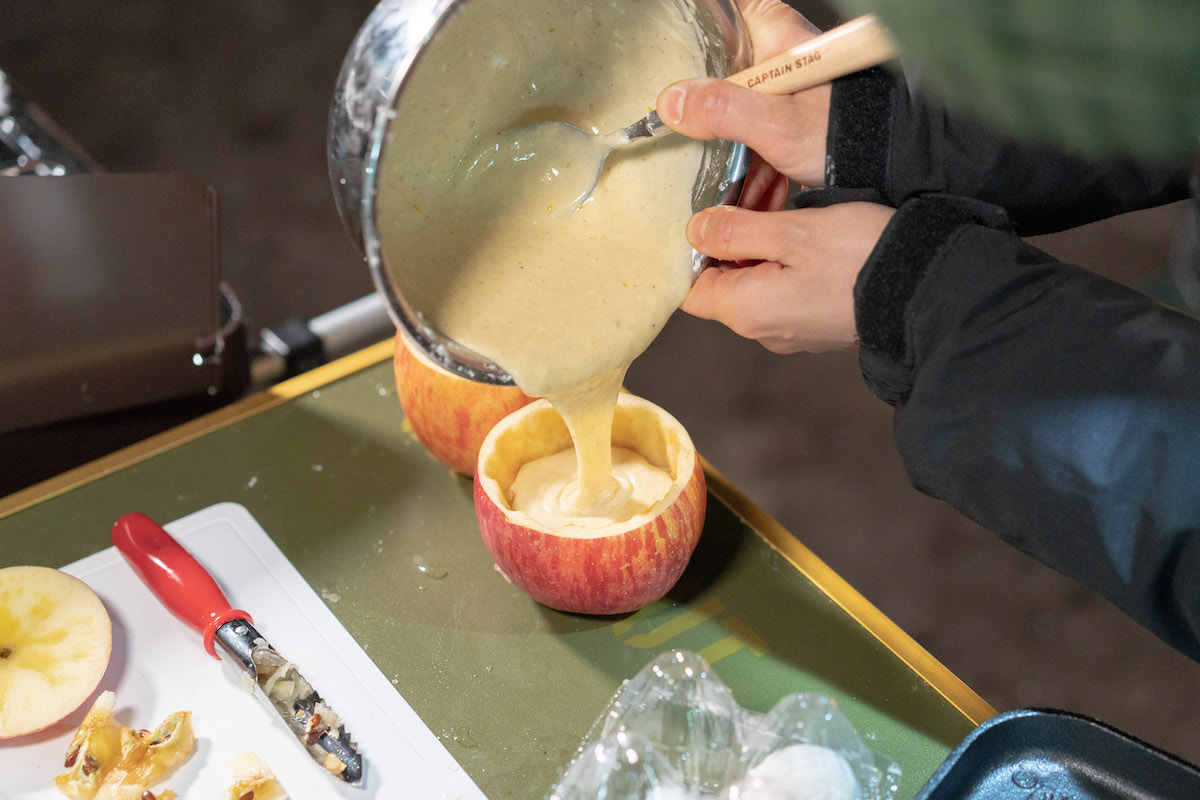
[(914, 238), (860, 121)]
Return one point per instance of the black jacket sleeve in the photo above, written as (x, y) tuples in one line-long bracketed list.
[(884, 136), (1056, 408), (1059, 410)]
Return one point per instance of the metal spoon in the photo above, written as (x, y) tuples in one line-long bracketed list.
[(569, 160)]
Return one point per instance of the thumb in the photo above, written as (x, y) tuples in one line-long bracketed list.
[(788, 131), (710, 108)]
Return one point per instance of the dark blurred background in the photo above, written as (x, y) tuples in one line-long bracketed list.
[(236, 94)]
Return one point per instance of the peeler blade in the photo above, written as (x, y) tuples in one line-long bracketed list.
[(187, 588), (317, 727)]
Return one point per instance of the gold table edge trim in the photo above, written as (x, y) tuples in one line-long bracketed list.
[(919, 660), (892, 636), (195, 428)]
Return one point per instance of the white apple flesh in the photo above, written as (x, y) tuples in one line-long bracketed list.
[(55, 643)]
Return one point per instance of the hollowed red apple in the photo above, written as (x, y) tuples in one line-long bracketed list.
[(55, 643), (611, 571), (449, 414)]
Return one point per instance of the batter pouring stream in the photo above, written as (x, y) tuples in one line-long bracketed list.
[(562, 298)]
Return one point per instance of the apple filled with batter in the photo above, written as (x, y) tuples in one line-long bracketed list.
[(607, 555)]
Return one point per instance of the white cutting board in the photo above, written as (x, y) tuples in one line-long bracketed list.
[(159, 665)]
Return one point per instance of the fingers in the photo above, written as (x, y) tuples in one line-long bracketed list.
[(774, 27), (708, 108), (789, 131), (755, 298), (774, 305), (776, 196), (759, 176), (800, 297), (728, 233), (725, 294), (764, 188), (845, 231)]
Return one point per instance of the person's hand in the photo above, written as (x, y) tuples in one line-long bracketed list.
[(784, 278), (786, 131), (801, 295)]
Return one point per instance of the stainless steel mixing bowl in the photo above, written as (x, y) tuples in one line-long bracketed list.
[(382, 59)]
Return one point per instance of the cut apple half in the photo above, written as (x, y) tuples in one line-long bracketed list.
[(449, 414), (612, 570), (55, 643)]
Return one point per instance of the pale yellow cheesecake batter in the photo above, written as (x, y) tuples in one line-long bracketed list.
[(474, 220), (547, 491)]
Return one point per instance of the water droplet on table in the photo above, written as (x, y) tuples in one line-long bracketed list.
[(431, 570)]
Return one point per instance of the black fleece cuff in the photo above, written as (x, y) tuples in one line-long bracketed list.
[(860, 129), (914, 238)]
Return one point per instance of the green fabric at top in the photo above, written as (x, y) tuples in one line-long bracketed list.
[(1119, 78)]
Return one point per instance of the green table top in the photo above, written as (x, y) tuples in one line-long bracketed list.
[(325, 465)]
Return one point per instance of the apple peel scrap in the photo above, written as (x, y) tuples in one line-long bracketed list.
[(108, 761), (253, 779)]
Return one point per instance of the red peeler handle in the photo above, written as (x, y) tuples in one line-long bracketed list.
[(176, 578)]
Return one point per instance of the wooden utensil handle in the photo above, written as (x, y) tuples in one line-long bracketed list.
[(860, 43)]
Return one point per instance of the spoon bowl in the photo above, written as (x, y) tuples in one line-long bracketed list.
[(560, 161)]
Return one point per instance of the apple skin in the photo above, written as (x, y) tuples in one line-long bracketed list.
[(608, 574), (450, 415)]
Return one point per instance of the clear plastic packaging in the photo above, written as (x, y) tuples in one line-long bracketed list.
[(675, 732)]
